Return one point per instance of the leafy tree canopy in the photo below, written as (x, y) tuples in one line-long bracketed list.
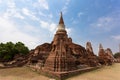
[(9, 50), (117, 55)]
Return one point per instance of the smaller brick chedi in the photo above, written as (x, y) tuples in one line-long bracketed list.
[(105, 56), (92, 58)]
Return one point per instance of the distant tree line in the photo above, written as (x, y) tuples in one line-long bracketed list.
[(9, 50), (117, 55)]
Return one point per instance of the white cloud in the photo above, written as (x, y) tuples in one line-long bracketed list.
[(105, 28), (80, 14), (9, 32), (49, 26), (107, 23), (104, 23), (12, 10), (116, 37), (26, 11), (29, 13), (50, 16), (44, 24), (74, 21), (0, 1), (68, 30), (18, 15), (43, 4), (42, 14), (11, 4), (65, 7), (67, 2), (30, 28), (52, 27)]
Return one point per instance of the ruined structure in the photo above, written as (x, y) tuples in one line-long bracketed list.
[(105, 56), (60, 57), (66, 55), (39, 54), (92, 58), (89, 48), (101, 51), (109, 53), (63, 55)]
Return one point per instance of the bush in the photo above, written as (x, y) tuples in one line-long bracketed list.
[(117, 55), (9, 50)]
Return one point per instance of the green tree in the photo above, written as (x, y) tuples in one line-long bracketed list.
[(9, 50), (6, 51), (117, 55), (21, 48)]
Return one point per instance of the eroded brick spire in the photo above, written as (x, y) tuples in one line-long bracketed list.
[(61, 21), (100, 46)]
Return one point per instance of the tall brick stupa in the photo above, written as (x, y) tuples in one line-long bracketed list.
[(60, 58)]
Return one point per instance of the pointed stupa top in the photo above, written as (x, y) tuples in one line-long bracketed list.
[(61, 26), (61, 21), (100, 46)]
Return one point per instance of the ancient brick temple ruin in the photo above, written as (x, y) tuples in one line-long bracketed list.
[(62, 56)]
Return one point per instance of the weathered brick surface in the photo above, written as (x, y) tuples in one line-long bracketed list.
[(62, 58)]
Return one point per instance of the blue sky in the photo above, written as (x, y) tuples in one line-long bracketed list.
[(35, 21)]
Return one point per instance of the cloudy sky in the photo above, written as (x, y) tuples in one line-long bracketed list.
[(34, 22)]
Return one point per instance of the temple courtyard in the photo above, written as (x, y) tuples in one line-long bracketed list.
[(25, 73)]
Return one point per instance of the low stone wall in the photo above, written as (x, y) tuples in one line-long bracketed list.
[(63, 75)]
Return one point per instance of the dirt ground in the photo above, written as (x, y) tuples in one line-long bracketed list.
[(105, 73), (24, 73)]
